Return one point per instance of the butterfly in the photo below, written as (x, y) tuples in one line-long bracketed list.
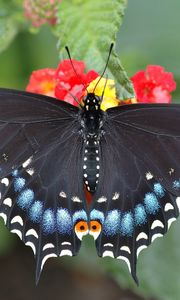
[(128, 157)]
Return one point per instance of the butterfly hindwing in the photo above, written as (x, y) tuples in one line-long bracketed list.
[(42, 198), (138, 193)]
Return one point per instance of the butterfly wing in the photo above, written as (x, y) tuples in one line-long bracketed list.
[(139, 183), (42, 198)]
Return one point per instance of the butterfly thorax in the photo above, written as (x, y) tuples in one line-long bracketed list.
[(92, 121)]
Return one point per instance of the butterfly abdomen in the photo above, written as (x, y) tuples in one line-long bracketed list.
[(91, 164)]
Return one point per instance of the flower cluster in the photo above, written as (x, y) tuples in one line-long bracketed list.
[(41, 11), (70, 82), (62, 83), (153, 85)]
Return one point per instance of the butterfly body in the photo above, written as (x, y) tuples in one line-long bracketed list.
[(92, 120), (128, 156)]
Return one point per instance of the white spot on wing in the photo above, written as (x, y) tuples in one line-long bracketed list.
[(108, 245), (141, 235), (17, 219), (115, 196), (65, 243), (126, 260), (149, 176), (48, 246), (2, 215), (80, 235), (102, 199), (108, 253), (18, 232), (155, 236), (5, 181), (45, 258), (65, 252), (8, 202), (170, 221), (76, 199), (32, 232), (126, 248), (27, 162), (62, 194), (171, 171), (30, 244), (178, 202), (168, 206), (157, 223), (30, 171), (140, 249)]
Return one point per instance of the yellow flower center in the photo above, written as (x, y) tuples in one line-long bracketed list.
[(108, 86)]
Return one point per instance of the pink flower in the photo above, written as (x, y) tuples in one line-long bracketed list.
[(41, 11), (153, 85)]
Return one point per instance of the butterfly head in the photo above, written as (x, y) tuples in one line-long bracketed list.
[(91, 103), (91, 114)]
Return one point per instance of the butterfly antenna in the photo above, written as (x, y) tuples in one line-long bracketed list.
[(68, 52), (110, 50), (74, 97), (102, 96)]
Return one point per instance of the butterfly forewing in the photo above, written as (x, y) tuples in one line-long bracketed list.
[(42, 197)]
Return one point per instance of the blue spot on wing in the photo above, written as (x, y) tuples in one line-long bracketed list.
[(64, 221), (159, 190), (151, 203), (127, 224), (176, 184), (79, 215), (14, 173), (140, 216), (112, 223), (97, 215), (36, 211), (48, 221), (25, 198), (19, 183)]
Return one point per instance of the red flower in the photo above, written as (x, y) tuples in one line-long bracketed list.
[(42, 82), (69, 83), (153, 85), (63, 82)]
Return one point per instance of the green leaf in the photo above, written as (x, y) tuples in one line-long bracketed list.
[(11, 17), (89, 28), (8, 31)]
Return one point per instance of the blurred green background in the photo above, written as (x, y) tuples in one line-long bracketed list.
[(149, 35)]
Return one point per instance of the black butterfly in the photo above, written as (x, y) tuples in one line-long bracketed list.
[(128, 157)]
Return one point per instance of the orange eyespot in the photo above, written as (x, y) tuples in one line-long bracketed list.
[(81, 229), (95, 226), (81, 226)]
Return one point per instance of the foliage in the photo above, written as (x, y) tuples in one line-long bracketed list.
[(89, 28), (10, 20)]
